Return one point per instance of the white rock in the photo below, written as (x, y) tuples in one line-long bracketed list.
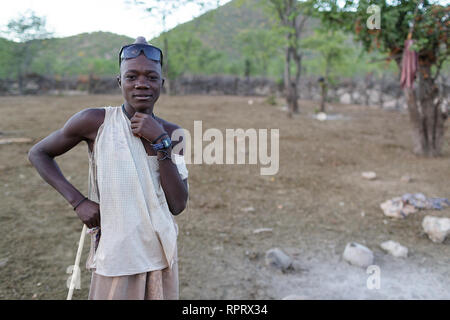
[(278, 259), (321, 116), (395, 249), (369, 175), (263, 230), (358, 255), (436, 228), (248, 209), (395, 208)]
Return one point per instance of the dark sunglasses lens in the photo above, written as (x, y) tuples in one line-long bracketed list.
[(152, 53), (134, 51)]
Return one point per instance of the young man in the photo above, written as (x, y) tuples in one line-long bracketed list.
[(135, 184)]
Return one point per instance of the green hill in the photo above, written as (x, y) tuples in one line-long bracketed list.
[(81, 54), (228, 40)]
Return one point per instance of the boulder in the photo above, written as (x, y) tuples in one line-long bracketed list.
[(436, 228), (278, 259), (358, 255), (395, 249)]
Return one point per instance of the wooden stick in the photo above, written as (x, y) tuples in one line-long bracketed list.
[(77, 264)]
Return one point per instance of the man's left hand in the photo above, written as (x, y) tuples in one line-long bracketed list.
[(143, 125)]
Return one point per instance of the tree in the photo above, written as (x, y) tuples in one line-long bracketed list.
[(426, 23), (260, 47), (162, 9), (292, 16), (26, 29), (331, 47)]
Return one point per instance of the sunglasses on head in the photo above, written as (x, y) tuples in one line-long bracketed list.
[(134, 50)]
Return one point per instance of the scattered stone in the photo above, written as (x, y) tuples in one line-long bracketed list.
[(321, 116), (406, 179), (250, 102), (248, 209), (369, 175), (420, 201), (278, 259), (263, 230), (294, 297), (252, 255), (436, 228), (396, 208), (3, 262), (395, 249), (363, 214), (358, 255)]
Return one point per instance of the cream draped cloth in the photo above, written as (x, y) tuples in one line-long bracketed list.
[(138, 231)]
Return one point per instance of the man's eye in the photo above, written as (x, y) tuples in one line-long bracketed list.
[(130, 77), (154, 78)]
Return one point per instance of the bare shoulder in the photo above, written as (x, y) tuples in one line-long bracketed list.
[(85, 123)]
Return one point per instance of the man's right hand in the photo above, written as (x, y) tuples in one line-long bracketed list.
[(89, 212)]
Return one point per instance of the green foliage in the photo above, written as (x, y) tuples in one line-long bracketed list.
[(331, 46), (7, 59), (430, 22), (217, 42), (259, 46)]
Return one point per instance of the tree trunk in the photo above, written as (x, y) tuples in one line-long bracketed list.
[(295, 83), (426, 115), (167, 82), (287, 81)]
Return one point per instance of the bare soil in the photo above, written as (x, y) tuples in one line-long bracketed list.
[(314, 204)]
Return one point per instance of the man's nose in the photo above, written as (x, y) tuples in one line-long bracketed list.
[(142, 84)]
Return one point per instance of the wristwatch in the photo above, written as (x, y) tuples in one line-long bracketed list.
[(164, 144)]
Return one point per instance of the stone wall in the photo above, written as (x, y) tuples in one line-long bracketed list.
[(383, 91)]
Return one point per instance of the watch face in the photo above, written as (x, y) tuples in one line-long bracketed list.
[(166, 143)]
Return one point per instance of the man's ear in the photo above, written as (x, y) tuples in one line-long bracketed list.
[(118, 81)]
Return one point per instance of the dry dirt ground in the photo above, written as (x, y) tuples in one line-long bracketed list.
[(313, 204)]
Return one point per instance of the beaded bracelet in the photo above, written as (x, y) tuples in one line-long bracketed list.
[(166, 155), (164, 134), (79, 203)]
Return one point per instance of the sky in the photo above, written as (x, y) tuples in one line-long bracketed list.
[(70, 17)]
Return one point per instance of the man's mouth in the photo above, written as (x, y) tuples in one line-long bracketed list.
[(142, 97)]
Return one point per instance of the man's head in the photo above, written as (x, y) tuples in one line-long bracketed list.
[(140, 75)]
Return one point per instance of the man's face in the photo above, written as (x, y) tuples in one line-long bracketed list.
[(141, 82)]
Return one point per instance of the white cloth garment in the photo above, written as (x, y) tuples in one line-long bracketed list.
[(138, 231)]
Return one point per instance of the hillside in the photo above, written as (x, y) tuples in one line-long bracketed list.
[(232, 39), (81, 54)]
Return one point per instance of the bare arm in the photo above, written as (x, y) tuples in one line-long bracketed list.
[(175, 189), (80, 127)]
